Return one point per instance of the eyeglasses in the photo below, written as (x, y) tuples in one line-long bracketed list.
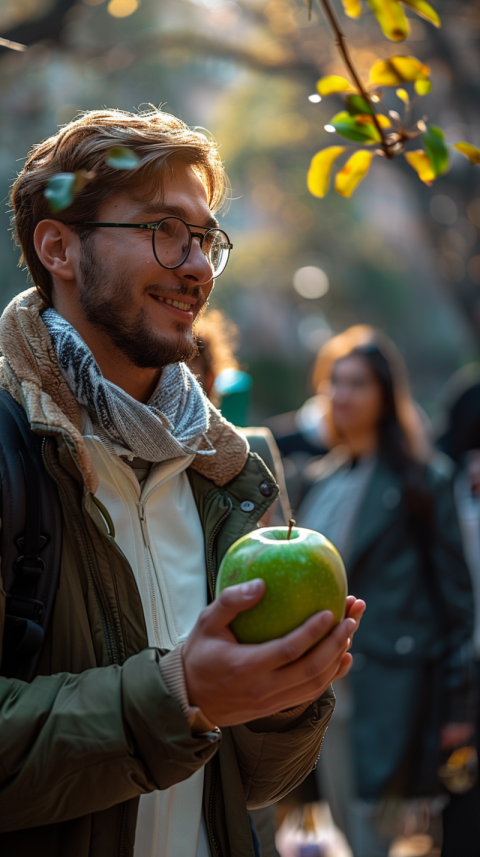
[(172, 241)]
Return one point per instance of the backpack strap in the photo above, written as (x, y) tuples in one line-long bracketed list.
[(31, 541)]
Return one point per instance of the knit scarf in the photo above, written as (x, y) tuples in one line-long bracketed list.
[(171, 425)]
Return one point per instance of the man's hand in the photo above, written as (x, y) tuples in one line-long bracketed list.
[(235, 683)]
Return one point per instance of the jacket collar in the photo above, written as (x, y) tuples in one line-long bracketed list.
[(379, 508), (29, 371), (378, 512)]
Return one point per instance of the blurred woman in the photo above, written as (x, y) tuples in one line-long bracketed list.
[(386, 503)]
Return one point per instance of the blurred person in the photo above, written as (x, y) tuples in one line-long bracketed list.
[(147, 729), (217, 341), (386, 503)]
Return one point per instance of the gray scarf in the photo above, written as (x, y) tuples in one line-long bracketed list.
[(171, 425)]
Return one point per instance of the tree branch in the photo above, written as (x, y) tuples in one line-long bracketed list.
[(341, 43)]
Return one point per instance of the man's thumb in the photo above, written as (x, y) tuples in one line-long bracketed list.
[(236, 599)]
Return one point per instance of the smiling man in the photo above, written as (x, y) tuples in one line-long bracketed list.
[(148, 729)]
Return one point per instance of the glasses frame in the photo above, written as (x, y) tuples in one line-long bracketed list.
[(155, 226)]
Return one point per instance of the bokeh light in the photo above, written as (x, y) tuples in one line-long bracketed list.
[(122, 8), (473, 212), (313, 331), (311, 282)]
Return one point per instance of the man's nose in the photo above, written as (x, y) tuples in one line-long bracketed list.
[(196, 266)]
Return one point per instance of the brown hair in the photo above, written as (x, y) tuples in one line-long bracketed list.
[(401, 430), (217, 340), (158, 138), (217, 343)]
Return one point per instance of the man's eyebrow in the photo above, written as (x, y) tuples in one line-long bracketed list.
[(155, 214)]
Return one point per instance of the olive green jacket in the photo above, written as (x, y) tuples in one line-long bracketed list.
[(97, 727)]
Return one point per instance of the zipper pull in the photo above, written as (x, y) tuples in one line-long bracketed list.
[(143, 522)]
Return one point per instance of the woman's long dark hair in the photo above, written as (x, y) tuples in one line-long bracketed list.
[(403, 444)]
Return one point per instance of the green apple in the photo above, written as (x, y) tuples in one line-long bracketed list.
[(304, 574)]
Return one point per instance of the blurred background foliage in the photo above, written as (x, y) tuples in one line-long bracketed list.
[(399, 255)]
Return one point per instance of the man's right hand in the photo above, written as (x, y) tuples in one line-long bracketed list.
[(235, 683)]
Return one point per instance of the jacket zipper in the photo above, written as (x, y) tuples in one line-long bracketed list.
[(148, 563), (212, 575), (107, 624), (121, 835), (213, 535), (210, 811)]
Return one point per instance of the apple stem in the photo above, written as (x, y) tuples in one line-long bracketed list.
[(291, 525)]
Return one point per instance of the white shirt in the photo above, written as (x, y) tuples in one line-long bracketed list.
[(158, 528)]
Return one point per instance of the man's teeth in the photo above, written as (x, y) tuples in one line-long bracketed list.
[(177, 304)]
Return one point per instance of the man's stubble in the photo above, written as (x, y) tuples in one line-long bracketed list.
[(106, 301)]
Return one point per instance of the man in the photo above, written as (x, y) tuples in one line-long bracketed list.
[(142, 690)]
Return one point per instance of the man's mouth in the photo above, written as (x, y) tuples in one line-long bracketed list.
[(177, 304), (185, 311)]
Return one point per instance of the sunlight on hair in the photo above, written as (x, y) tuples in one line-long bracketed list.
[(122, 8)]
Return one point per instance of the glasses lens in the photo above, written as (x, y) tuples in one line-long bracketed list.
[(172, 242), (217, 250)]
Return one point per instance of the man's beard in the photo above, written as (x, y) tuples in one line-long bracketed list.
[(106, 302)]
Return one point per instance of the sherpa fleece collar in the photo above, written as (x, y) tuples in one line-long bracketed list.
[(29, 371)]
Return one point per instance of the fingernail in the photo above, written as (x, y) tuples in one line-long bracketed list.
[(252, 587)]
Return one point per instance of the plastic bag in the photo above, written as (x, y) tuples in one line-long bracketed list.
[(309, 831)]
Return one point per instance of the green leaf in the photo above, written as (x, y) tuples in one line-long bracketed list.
[(320, 168), (424, 10), (121, 158), (60, 191), (352, 129), (357, 104), (470, 152), (436, 149), (423, 87)]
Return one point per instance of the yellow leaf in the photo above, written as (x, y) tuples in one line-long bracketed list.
[(353, 172), (423, 87), (383, 121), (320, 168), (391, 18), (397, 70), (352, 8), (366, 119), (424, 10), (422, 165), (470, 152), (403, 95), (332, 84)]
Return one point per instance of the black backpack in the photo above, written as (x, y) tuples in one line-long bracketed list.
[(31, 541)]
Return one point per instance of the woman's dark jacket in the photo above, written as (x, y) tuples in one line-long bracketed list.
[(412, 654)]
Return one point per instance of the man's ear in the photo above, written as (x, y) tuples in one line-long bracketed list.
[(58, 249)]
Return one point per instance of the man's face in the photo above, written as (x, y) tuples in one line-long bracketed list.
[(122, 289)]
